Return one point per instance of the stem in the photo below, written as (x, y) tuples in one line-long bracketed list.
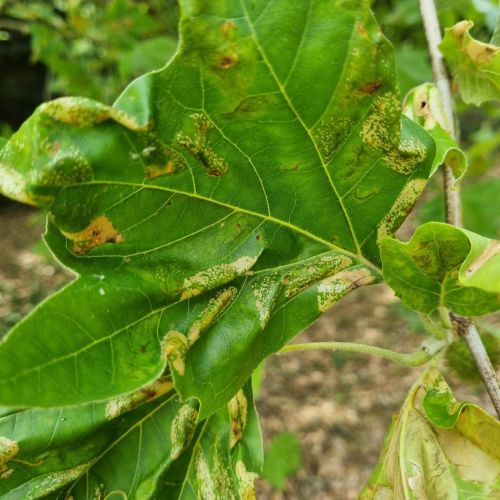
[(417, 358), (468, 331), (453, 205)]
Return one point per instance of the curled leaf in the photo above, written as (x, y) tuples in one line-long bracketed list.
[(423, 104), (444, 266), (437, 448), (475, 65)]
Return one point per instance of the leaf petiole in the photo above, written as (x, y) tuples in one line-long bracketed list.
[(426, 353)]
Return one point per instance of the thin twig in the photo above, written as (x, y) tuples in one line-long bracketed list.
[(417, 358), (468, 331), (465, 327), (453, 206)]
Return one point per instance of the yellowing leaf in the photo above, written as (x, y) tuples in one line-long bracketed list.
[(475, 65), (437, 448)]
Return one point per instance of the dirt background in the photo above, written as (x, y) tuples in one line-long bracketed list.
[(339, 405)]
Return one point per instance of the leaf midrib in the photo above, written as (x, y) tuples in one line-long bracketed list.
[(285, 95), (267, 218)]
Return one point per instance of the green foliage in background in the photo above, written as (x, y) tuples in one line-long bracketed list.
[(94, 47), (281, 459)]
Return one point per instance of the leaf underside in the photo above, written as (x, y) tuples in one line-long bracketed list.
[(146, 445), (217, 208), (438, 448)]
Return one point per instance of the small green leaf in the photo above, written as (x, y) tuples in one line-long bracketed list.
[(444, 266), (423, 104), (475, 65), (281, 459), (437, 448)]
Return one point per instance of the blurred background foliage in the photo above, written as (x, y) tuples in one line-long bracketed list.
[(89, 47)]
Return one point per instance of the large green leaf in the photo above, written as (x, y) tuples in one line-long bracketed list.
[(438, 448), (155, 451), (218, 208), (475, 65), (444, 266)]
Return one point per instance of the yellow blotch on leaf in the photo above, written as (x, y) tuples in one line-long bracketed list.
[(401, 207), (8, 450), (84, 112), (118, 406), (215, 307), (479, 52), (216, 276), (332, 289), (182, 429), (238, 409), (246, 481), (204, 478), (379, 132), (174, 347), (100, 231)]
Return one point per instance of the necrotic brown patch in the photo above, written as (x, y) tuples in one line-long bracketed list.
[(98, 232), (227, 61)]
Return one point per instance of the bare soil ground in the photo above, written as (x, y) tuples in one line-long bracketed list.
[(339, 405)]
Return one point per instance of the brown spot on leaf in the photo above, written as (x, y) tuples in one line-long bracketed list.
[(53, 148), (199, 146), (228, 61), (118, 406), (360, 28), (8, 450), (369, 88), (237, 407), (291, 168), (98, 232)]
